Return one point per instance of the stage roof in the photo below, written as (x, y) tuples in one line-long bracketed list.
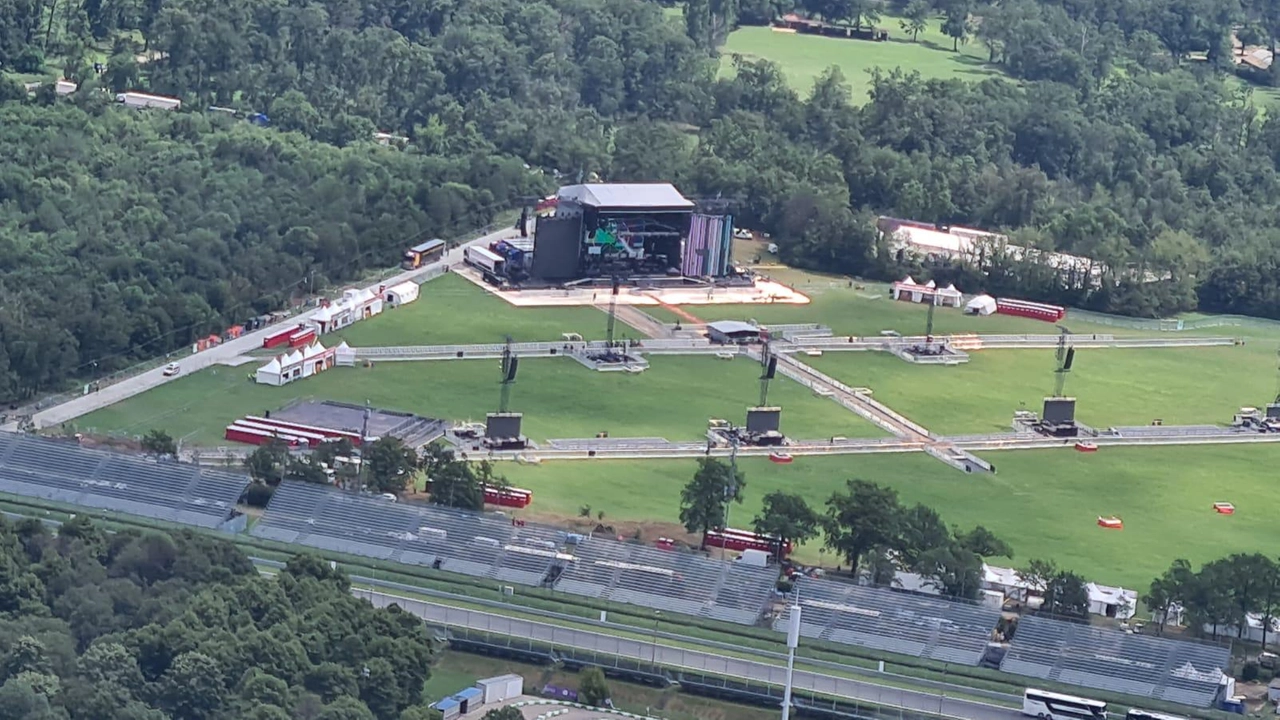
[(626, 195), (730, 327)]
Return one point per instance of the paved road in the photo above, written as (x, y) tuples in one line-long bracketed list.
[(127, 388), (695, 661)]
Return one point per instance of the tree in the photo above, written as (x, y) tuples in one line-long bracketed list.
[(704, 500), (389, 464), (305, 470), (985, 543), (1172, 588), (921, 529), (592, 688), (915, 18), (158, 442), (957, 25), (954, 569), (787, 517), (192, 687), (453, 484), (863, 517), (268, 461), (506, 713)]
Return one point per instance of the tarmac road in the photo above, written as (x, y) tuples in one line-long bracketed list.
[(127, 388), (694, 661)]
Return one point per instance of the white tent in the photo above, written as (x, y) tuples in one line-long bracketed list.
[(1115, 602), (907, 289), (405, 292), (269, 374), (981, 305), (344, 355)]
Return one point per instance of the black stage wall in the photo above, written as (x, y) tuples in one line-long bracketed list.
[(558, 246)]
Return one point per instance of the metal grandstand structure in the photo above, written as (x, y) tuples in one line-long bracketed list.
[(162, 490), (900, 622), (453, 540), (668, 580), (1107, 659)]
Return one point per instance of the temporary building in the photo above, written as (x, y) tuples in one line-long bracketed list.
[(449, 708), (1112, 602), (301, 363), (405, 292), (344, 355), (269, 374), (353, 306), (909, 290), (502, 687), (981, 305)]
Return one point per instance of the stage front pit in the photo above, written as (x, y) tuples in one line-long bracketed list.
[(761, 292)]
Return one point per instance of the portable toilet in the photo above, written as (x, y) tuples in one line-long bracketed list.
[(449, 708), (469, 700)]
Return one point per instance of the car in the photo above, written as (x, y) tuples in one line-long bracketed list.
[(741, 234), (389, 497), (171, 369)]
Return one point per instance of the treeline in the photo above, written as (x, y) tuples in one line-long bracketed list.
[(151, 626), (1225, 597), (125, 235)]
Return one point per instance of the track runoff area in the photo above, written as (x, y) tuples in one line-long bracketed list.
[(625, 248)]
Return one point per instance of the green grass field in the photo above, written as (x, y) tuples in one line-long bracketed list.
[(1112, 386), (865, 309), (452, 310), (804, 57), (1045, 503), (560, 398)]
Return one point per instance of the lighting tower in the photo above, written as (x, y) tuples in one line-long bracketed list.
[(793, 639), (1066, 356)]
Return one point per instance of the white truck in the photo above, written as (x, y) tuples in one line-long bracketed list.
[(754, 558), (139, 101)]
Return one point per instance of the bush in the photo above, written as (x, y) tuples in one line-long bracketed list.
[(258, 494), (30, 60), (592, 689), (1249, 672)]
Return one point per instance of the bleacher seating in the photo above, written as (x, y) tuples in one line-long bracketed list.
[(668, 580), (462, 542), (1107, 659), (64, 472), (895, 621)]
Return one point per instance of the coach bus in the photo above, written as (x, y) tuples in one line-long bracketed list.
[(1054, 706), (1136, 714), (423, 254)]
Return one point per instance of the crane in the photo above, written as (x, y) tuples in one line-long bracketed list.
[(769, 368)]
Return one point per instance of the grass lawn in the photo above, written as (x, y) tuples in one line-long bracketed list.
[(452, 310), (865, 309), (804, 57), (1043, 502), (1112, 386), (560, 398)]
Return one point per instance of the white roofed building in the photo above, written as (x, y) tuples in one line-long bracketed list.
[(352, 307), (296, 365), (1112, 602), (396, 295)]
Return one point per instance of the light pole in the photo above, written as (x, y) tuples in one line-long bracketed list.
[(793, 639), (653, 645)]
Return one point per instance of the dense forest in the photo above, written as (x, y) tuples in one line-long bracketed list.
[(150, 626), (1119, 131)]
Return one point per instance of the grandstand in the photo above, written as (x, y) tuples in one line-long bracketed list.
[(895, 621), (1107, 659), (668, 580), (446, 539), (64, 472)]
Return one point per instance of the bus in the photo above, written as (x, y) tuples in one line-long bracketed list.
[(423, 254), (1136, 714), (1054, 706)]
